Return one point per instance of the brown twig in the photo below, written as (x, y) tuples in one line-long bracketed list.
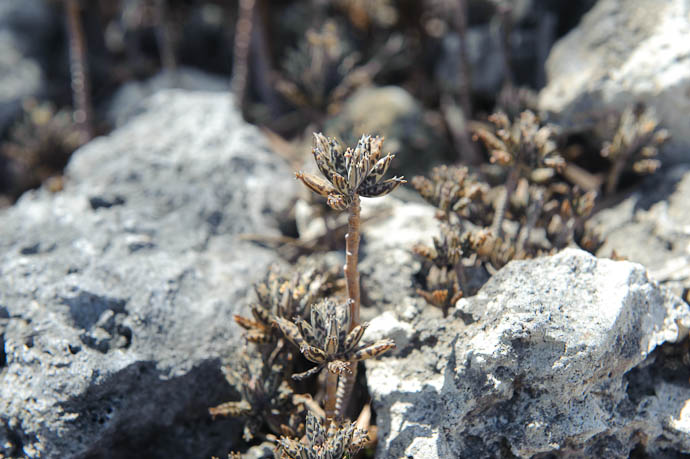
[(243, 36), (352, 279), (79, 71), (351, 256), (330, 400)]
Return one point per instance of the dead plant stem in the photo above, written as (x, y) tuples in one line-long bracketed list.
[(352, 281), (351, 256), (79, 70)]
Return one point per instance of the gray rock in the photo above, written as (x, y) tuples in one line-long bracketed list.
[(387, 264), (620, 54), (550, 365), (651, 227), (117, 294), (393, 113), (126, 102)]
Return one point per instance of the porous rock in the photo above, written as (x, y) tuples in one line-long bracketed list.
[(117, 294), (650, 226), (551, 362), (624, 52)]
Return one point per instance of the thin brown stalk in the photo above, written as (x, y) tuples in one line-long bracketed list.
[(331, 391), (79, 71), (243, 36), (344, 392), (351, 256)]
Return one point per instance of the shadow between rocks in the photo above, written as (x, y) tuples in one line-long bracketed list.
[(138, 412)]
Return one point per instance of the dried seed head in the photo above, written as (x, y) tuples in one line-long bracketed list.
[(349, 172), (327, 339), (337, 441)]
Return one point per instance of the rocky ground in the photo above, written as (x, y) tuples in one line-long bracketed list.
[(117, 292)]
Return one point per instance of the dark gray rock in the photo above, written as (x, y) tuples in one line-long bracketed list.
[(117, 294), (552, 364)]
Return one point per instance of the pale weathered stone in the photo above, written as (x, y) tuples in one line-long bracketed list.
[(543, 369), (624, 52)]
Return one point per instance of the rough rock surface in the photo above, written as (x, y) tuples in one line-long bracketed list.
[(557, 360), (117, 294), (621, 53), (651, 226)]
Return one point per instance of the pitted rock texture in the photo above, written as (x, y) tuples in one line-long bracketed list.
[(651, 226), (551, 364), (117, 294)]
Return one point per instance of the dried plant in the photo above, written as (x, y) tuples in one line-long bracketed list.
[(319, 64), (634, 145), (324, 70), (324, 440), (266, 398), (527, 148), (565, 216), (79, 71), (454, 189), (348, 174), (364, 13), (445, 277), (329, 341), (40, 143), (279, 296)]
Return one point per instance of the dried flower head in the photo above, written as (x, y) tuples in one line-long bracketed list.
[(283, 297), (452, 188), (336, 441), (349, 172), (326, 340), (523, 142)]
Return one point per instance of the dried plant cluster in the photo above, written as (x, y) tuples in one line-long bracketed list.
[(336, 441), (39, 143), (534, 212), (634, 145), (298, 330), (268, 395), (316, 68)]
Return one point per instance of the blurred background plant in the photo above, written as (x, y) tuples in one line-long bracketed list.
[(415, 72)]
